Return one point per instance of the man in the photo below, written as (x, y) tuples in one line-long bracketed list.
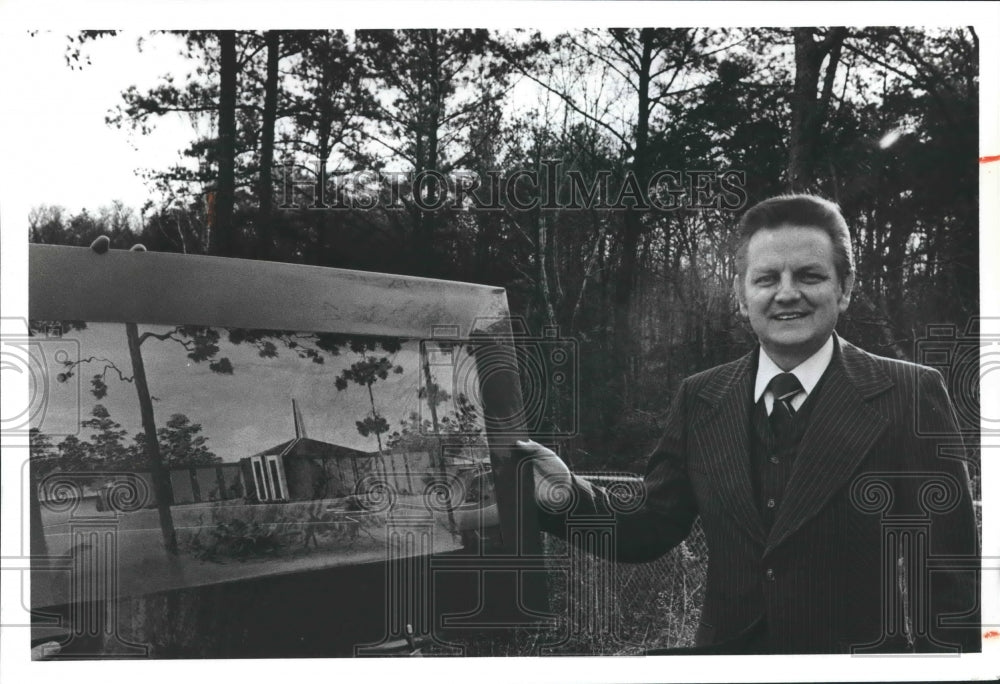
[(799, 458)]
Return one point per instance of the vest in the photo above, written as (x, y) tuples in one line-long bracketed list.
[(771, 458)]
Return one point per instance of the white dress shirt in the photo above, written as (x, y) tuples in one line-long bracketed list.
[(808, 372)]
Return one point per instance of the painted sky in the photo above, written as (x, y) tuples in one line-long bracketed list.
[(243, 413)]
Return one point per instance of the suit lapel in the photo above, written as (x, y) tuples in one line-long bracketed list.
[(842, 428), (722, 441)]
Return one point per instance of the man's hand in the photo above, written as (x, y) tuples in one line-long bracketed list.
[(553, 479)]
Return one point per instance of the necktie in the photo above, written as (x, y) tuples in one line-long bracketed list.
[(784, 386)]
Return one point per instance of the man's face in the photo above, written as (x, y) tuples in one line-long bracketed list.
[(791, 292)]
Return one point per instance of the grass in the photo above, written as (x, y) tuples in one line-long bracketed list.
[(606, 608)]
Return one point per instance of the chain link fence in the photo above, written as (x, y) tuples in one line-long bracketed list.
[(612, 608)]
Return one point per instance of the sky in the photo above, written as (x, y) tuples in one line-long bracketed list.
[(62, 142), (64, 152)]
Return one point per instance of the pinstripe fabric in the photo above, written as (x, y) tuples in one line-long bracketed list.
[(817, 578)]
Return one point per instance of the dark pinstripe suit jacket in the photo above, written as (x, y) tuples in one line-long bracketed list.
[(824, 578)]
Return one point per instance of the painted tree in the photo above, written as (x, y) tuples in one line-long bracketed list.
[(201, 344), (462, 426), (182, 444), (74, 454), (366, 372), (44, 454), (107, 447)]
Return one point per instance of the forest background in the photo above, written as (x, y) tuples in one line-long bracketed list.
[(884, 121)]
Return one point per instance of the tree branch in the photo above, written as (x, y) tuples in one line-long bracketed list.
[(572, 105)]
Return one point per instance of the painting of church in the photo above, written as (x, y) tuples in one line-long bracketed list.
[(302, 469)]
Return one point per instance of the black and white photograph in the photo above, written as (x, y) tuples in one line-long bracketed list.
[(553, 341)]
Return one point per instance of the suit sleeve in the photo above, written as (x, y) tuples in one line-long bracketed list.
[(667, 510), (954, 552)]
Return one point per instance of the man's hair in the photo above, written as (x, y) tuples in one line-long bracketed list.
[(798, 210)]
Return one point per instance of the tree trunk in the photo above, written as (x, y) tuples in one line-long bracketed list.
[(225, 196), (632, 222), (426, 220), (265, 190), (542, 256), (809, 108)]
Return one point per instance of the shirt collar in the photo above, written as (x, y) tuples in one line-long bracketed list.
[(808, 372)]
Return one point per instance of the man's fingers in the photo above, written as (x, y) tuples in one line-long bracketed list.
[(534, 449), (101, 244)]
